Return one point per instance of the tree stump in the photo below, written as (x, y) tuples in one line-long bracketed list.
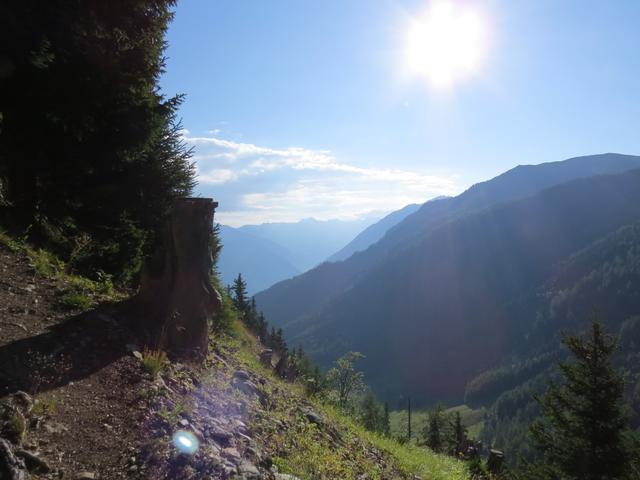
[(176, 299)]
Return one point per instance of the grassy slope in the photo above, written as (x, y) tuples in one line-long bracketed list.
[(311, 452), (338, 448)]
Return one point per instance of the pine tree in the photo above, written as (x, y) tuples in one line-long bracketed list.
[(251, 316), (262, 329), (409, 419), (386, 423), (433, 431), (281, 344), (582, 431), (109, 158), (459, 433), (370, 413), (315, 382), (239, 290), (272, 338)]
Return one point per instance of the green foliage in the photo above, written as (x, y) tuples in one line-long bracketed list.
[(583, 427), (313, 459), (373, 415), (487, 386), (459, 432), (434, 433), (76, 292), (240, 299), (215, 245), (344, 378), (74, 300), (154, 361), (45, 263), (225, 318), (310, 454), (45, 406), (172, 416), (110, 158), (472, 420), (414, 460), (9, 242), (275, 340), (16, 425)]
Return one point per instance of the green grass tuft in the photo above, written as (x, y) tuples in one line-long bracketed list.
[(154, 361), (45, 406), (410, 459), (9, 242), (77, 292), (45, 262)]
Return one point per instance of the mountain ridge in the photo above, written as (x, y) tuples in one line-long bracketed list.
[(351, 309), (322, 283), (374, 232)]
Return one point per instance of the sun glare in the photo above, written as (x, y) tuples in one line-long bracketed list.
[(446, 43)]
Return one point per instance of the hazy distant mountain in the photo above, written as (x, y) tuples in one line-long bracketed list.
[(261, 262), (373, 233), (309, 242), (268, 253), (426, 304)]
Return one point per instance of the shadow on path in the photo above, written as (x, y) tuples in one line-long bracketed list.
[(68, 351)]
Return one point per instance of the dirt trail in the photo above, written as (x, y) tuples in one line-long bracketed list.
[(77, 369)]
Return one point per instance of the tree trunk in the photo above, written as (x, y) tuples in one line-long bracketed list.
[(176, 299)]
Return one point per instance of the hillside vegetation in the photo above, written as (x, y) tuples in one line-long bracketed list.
[(601, 280), (249, 422)]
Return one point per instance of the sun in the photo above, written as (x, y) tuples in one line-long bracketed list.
[(446, 43)]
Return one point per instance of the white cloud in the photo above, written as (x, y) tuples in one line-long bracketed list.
[(217, 176), (256, 184)]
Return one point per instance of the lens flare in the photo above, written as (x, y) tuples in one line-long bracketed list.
[(185, 442)]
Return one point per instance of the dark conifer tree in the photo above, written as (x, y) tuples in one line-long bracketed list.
[(282, 344), (409, 419), (433, 431), (582, 431), (459, 433), (239, 290), (262, 328), (370, 413), (386, 423), (251, 316), (91, 154), (272, 338)]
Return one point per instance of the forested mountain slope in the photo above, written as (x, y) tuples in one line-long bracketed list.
[(599, 281), (373, 233), (289, 301), (434, 315)]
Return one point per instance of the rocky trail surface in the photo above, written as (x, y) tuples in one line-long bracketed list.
[(76, 402)]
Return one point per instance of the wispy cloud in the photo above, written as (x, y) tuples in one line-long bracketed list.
[(257, 184), (218, 176)]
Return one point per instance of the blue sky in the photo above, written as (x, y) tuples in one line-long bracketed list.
[(305, 108)]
